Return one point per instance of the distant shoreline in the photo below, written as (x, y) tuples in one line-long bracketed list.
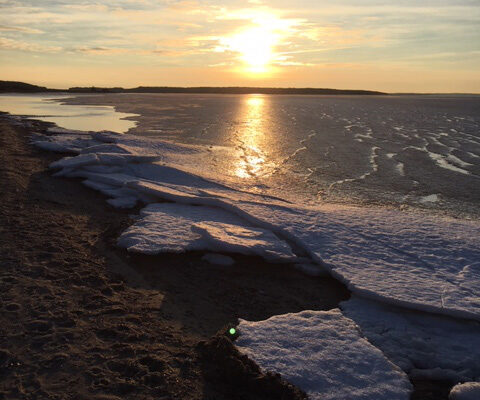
[(21, 87)]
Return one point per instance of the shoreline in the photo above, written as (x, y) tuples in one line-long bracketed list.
[(189, 299), (80, 315)]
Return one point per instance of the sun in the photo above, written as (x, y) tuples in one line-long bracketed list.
[(255, 47)]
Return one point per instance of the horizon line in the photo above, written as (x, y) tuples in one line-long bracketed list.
[(22, 87)]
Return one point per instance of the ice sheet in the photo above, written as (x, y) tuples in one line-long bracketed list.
[(323, 353), (244, 240), (168, 227), (408, 259), (402, 258), (421, 344)]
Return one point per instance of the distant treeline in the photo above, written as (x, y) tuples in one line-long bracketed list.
[(20, 87), (220, 90)]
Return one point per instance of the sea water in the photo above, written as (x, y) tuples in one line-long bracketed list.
[(421, 151)]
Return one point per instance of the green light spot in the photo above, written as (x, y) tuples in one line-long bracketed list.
[(232, 331)]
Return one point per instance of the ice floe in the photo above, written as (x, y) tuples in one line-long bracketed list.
[(323, 353), (169, 227)]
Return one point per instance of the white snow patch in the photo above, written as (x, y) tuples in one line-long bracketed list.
[(244, 240), (431, 198), (178, 228), (443, 162), (323, 353), (455, 160), (400, 167)]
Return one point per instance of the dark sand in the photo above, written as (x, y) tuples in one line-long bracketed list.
[(82, 319)]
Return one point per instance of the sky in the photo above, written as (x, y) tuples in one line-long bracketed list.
[(393, 46)]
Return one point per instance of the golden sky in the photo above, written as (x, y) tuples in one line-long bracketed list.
[(394, 46)]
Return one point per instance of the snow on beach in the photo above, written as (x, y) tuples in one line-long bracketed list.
[(323, 353), (410, 260)]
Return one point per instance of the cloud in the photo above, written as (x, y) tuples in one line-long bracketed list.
[(12, 44), (22, 29), (98, 50), (195, 33)]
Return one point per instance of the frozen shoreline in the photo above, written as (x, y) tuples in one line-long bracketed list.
[(132, 322), (401, 258), (114, 164)]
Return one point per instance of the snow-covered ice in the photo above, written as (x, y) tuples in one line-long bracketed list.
[(170, 227), (408, 259), (421, 344), (323, 353), (244, 240)]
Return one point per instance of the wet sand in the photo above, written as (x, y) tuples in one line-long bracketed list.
[(82, 319)]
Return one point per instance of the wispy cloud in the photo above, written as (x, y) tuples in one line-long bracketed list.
[(23, 29), (11, 44), (199, 33)]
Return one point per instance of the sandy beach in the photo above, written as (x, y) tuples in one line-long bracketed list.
[(82, 319)]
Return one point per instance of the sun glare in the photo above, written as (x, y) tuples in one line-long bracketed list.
[(255, 46)]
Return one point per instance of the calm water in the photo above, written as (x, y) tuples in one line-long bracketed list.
[(420, 151), (46, 108)]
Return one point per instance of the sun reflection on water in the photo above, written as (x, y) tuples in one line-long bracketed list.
[(251, 139)]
